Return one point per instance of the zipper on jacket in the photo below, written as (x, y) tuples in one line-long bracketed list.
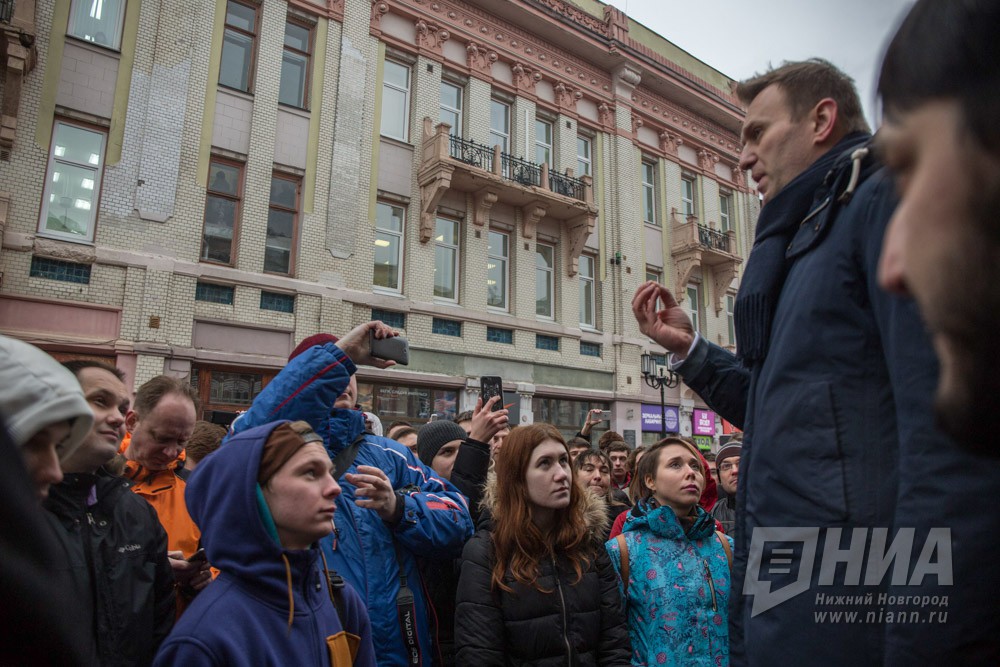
[(565, 620), (711, 585)]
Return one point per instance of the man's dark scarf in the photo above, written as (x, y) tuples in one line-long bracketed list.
[(767, 266)]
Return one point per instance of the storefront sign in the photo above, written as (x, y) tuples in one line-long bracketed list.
[(651, 418), (703, 422)]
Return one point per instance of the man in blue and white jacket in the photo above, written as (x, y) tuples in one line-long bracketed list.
[(391, 507)]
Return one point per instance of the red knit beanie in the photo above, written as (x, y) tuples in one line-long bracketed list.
[(312, 341)]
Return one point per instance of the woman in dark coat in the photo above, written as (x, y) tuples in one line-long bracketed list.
[(537, 587)]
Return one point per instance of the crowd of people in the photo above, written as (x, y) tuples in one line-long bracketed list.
[(133, 534)]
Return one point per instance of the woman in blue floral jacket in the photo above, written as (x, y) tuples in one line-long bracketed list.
[(672, 565)]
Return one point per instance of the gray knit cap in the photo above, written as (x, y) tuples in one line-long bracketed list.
[(434, 435)]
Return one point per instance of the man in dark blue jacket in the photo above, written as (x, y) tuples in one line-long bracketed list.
[(391, 506), (833, 387)]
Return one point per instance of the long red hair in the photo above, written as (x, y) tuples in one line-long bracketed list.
[(518, 543)]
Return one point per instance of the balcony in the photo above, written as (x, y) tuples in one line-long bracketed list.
[(450, 162), (695, 244)]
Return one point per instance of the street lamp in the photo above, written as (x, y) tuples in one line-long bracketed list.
[(653, 376)]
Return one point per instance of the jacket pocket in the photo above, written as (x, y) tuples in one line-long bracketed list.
[(797, 461)]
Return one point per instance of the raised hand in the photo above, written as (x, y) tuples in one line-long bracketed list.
[(670, 325), (355, 344)]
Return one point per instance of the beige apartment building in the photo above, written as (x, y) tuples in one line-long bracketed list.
[(193, 187)]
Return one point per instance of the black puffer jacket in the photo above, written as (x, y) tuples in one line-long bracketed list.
[(576, 624), (121, 539)]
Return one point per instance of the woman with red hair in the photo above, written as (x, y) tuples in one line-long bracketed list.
[(537, 587)]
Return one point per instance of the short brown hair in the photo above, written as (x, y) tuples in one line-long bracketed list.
[(607, 438), (205, 439), (807, 82), (152, 392), (76, 365), (649, 462), (617, 446)]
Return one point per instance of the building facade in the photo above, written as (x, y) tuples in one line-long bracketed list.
[(192, 188)]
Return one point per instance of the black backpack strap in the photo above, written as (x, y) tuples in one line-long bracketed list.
[(343, 461)]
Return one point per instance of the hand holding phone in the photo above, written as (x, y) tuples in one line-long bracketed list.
[(198, 556), (395, 348)]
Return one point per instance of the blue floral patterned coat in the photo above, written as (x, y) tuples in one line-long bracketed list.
[(678, 589)]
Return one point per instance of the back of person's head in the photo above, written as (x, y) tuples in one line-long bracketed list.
[(36, 391), (648, 464), (204, 440), (943, 51), (607, 438), (519, 544), (464, 417), (152, 392), (804, 84)]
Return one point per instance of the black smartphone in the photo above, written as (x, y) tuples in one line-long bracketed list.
[(198, 557), (490, 386), (395, 349)]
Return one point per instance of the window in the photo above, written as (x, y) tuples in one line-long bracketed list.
[(294, 87), (446, 259), (214, 293), (543, 142), (584, 161), (281, 303), (500, 125), (236, 68), (444, 327), (588, 294), (687, 196), (590, 349), (451, 107), (97, 21), (694, 306), (392, 318), (654, 275), (282, 225), (388, 246), (496, 270), (55, 269), (222, 211), (395, 101), (648, 192), (547, 342), (730, 321), (545, 257), (498, 335), (73, 184), (725, 208)]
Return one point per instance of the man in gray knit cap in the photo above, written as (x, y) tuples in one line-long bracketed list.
[(727, 461)]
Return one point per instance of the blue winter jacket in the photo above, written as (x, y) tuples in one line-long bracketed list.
[(435, 522), (840, 434), (678, 589), (242, 618)]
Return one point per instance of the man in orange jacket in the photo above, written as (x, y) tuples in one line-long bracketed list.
[(159, 425)]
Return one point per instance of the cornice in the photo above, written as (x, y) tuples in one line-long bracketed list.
[(331, 9)]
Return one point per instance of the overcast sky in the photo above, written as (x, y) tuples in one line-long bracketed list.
[(741, 38)]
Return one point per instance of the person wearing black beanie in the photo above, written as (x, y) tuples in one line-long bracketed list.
[(436, 436)]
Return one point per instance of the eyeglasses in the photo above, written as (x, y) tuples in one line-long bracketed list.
[(726, 466)]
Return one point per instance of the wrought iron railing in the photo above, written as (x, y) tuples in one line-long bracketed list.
[(520, 171), (566, 185), (712, 239), (469, 152)]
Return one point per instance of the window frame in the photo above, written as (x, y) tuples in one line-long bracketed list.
[(456, 263), (406, 99), (694, 306), (540, 144), (116, 44), (252, 68), (730, 318), (648, 188), (725, 216), (585, 164), (456, 128), (401, 241), (238, 198), (308, 55), (505, 308), (689, 195), (296, 215), (592, 279), (550, 273), (506, 134), (98, 181)]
